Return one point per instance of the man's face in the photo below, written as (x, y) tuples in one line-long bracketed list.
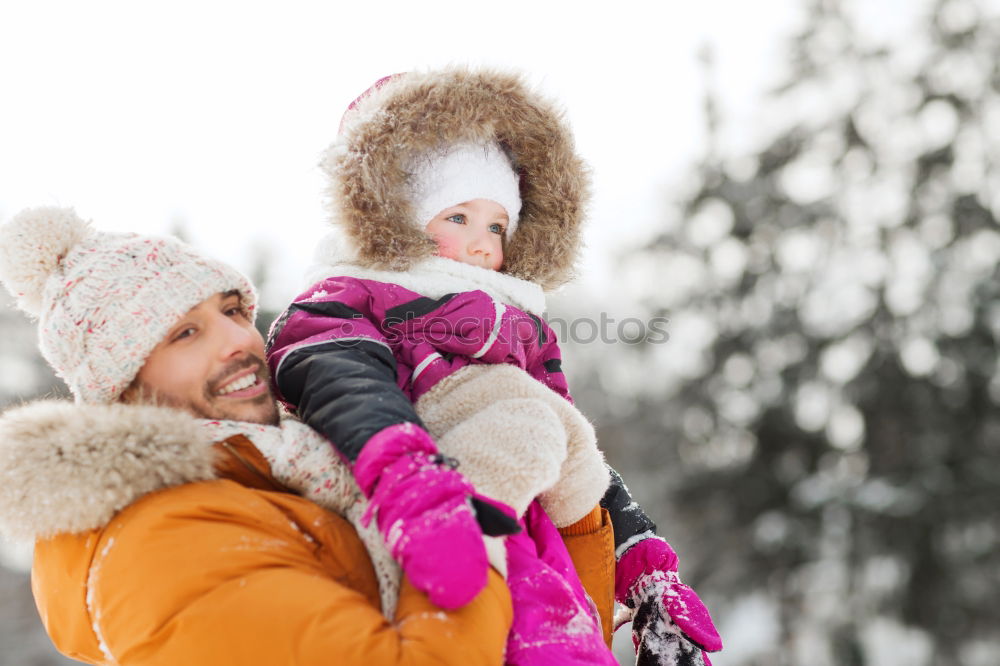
[(210, 364)]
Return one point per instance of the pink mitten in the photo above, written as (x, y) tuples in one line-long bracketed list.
[(423, 512), (666, 611)]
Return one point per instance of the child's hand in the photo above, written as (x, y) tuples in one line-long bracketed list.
[(422, 509), (670, 624)]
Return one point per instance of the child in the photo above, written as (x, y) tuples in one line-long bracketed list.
[(461, 199)]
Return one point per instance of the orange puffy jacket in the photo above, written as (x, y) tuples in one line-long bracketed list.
[(212, 562)]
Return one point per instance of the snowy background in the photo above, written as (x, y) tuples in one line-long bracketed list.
[(807, 189)]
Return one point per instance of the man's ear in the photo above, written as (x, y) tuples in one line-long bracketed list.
[(128, 396), (137, 393)]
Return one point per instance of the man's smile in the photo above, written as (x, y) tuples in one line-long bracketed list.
[(246, 385)]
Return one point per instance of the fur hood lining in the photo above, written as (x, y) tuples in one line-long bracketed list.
[(414, 113)]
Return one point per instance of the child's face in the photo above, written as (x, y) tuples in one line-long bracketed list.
[(471, 232)]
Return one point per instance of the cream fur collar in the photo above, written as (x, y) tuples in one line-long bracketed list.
[(68, 467), (432, 277)]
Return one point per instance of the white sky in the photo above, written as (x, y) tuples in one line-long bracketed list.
[(140, 114)]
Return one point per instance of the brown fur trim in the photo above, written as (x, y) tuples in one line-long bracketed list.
[(418, 112)]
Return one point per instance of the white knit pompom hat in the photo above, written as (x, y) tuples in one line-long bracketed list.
[(104, 300), (461, 173)]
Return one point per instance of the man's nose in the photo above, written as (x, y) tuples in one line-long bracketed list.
[(234, 339)]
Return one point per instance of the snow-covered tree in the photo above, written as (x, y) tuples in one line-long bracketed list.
[(822, 431)]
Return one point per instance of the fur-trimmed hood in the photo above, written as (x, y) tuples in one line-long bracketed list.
[(68, 467), (405, 116)]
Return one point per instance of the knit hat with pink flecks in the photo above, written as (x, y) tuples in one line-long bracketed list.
[(104, 300)]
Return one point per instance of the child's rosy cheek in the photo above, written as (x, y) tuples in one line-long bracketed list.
[(446, 249)]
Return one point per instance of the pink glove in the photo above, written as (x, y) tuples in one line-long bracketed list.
[(423, 512), (667, 613)]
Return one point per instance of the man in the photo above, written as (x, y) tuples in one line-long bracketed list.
[(154, 545)]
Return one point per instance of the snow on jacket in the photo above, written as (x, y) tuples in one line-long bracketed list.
[(154, 546)]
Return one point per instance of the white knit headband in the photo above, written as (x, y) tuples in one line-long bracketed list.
[(461, 173)]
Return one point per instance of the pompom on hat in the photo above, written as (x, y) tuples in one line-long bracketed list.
[(104, 300)]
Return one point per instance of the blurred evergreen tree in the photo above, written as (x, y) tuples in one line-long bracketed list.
[(822, 430), (262, 257)]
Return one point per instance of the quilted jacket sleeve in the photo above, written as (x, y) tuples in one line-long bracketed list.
[(546, 362), (474, 325), (630, 522), (332, 364), (590, 542)]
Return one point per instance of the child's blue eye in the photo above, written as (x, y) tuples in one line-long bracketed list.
[(457, 218), (496, 228)]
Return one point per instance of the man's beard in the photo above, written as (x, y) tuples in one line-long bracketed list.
[(266, 410), (263, 409)]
